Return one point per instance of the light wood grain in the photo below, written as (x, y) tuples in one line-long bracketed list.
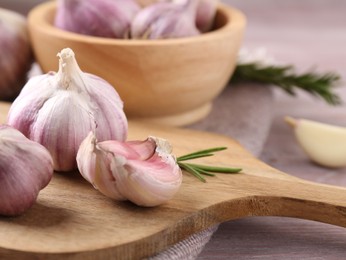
[(169, 80), (74, 221)]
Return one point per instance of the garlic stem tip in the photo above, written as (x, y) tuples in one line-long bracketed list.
[(66, 53), (291, 121)]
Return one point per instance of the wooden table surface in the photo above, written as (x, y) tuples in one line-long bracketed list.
[(308, 34)]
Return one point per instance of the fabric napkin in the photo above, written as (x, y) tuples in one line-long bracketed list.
[(244, 113)]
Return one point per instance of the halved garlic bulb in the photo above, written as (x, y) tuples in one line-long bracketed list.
[(144, 172)]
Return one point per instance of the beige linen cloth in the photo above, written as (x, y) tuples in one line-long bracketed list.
[(244, 113)]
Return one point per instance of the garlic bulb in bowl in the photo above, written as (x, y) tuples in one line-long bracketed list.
[(58, 110), (16, 54)]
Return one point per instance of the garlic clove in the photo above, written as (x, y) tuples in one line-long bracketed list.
[(16, 54), (59, 109), (323, 143), (93, 164), (148, 183), (165, 20), (133, 150), (145, 173), (26, 168), (104, 18), (205, 16)]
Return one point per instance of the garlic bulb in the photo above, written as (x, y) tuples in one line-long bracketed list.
[(26, 168), (144, 172), (59, 109), (104, 18), (16, 55), (165, 20)]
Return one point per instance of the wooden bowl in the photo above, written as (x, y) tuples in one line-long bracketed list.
[(171, 81)]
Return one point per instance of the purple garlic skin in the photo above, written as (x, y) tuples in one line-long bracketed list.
[(16, 54), (26, 167), (143, 172), (205, 16), (166, 20), (58, 110), (103, 18)]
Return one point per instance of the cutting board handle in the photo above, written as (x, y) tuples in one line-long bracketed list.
[(305, 200)]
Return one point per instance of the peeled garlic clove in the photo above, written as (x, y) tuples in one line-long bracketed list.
[(104, 18), (26, 168), (324, 144), (59, 109), (165, 20), (146, 173), (16, 54)]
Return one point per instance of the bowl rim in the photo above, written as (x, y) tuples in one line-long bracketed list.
[(37, 20)]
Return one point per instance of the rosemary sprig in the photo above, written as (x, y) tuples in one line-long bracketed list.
[(319, 85), (198, 169)]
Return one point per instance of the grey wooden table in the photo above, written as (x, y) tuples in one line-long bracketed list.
[(310, 35)]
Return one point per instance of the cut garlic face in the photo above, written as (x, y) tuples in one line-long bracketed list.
[(59, 109), (26, 168), (144, 172)]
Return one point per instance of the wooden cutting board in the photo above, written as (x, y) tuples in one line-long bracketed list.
[(71, 220)]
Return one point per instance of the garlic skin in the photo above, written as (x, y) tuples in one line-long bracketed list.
[(144, 172), (58, 110), (16, 54), (103, 18), (26, 168), (165, 20), (205, 16)]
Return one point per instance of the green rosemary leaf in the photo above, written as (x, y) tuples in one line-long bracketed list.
[(204, 172), (194, 156), (191, 170), (213, 168), (202, 153), (319, 85)]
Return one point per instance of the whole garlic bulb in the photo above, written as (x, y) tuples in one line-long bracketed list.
[(104, 18), (144, 172), (59, 109), (26, 167), (16, 54), (165, 20)]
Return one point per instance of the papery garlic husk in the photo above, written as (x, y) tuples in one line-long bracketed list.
[(58, 110), (26, 167), (103, 18), (165, 20), (144, 172), (16, 54)]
